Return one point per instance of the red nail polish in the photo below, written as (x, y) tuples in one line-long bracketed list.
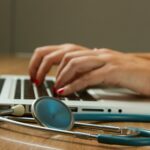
[(36, 82), (60, 91)]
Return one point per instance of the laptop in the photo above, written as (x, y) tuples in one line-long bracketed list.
[(18, 89)]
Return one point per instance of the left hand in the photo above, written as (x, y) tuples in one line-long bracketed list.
[(79, 70), (47, 56)]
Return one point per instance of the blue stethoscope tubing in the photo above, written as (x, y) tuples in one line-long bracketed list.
[(112, 117), (142, 139)]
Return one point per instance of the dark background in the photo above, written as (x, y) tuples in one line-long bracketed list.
[(118, 24)]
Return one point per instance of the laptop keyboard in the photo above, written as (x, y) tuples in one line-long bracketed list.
[(30, 91), (42, 90), (18, 89), (49, 84), (84, 95), (1, 84)]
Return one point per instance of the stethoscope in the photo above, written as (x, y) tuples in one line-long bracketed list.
[(55, 116)]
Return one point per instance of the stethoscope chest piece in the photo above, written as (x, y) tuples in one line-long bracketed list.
[(52, 113)]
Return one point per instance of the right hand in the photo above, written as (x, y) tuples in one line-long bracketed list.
[(44, 57), (80, 70)]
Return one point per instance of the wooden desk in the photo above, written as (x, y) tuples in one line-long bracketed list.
[(13, 137)]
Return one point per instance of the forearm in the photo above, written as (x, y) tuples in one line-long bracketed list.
[(145, 55)]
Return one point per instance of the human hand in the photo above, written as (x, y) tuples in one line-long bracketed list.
[(44, 57), (79, 70)]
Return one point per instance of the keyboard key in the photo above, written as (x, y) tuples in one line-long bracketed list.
[(73, 97), (50, 86), (50, 83), (85, 96), (59, 97), (1, 84), (41, 89), (18, 89), (28, 90)]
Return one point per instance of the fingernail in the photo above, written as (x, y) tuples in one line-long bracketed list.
[(36, 82), (60, 91)]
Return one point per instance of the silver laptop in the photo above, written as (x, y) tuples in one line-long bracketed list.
[(18, 89)]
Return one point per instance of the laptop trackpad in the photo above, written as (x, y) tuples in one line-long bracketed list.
[(113, 93)]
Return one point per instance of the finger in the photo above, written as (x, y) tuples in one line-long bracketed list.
[(108, 52), (46, 64), (95, 77), (48, 61), (77, 66), (72, 55), (37, 58), (43, 51)]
